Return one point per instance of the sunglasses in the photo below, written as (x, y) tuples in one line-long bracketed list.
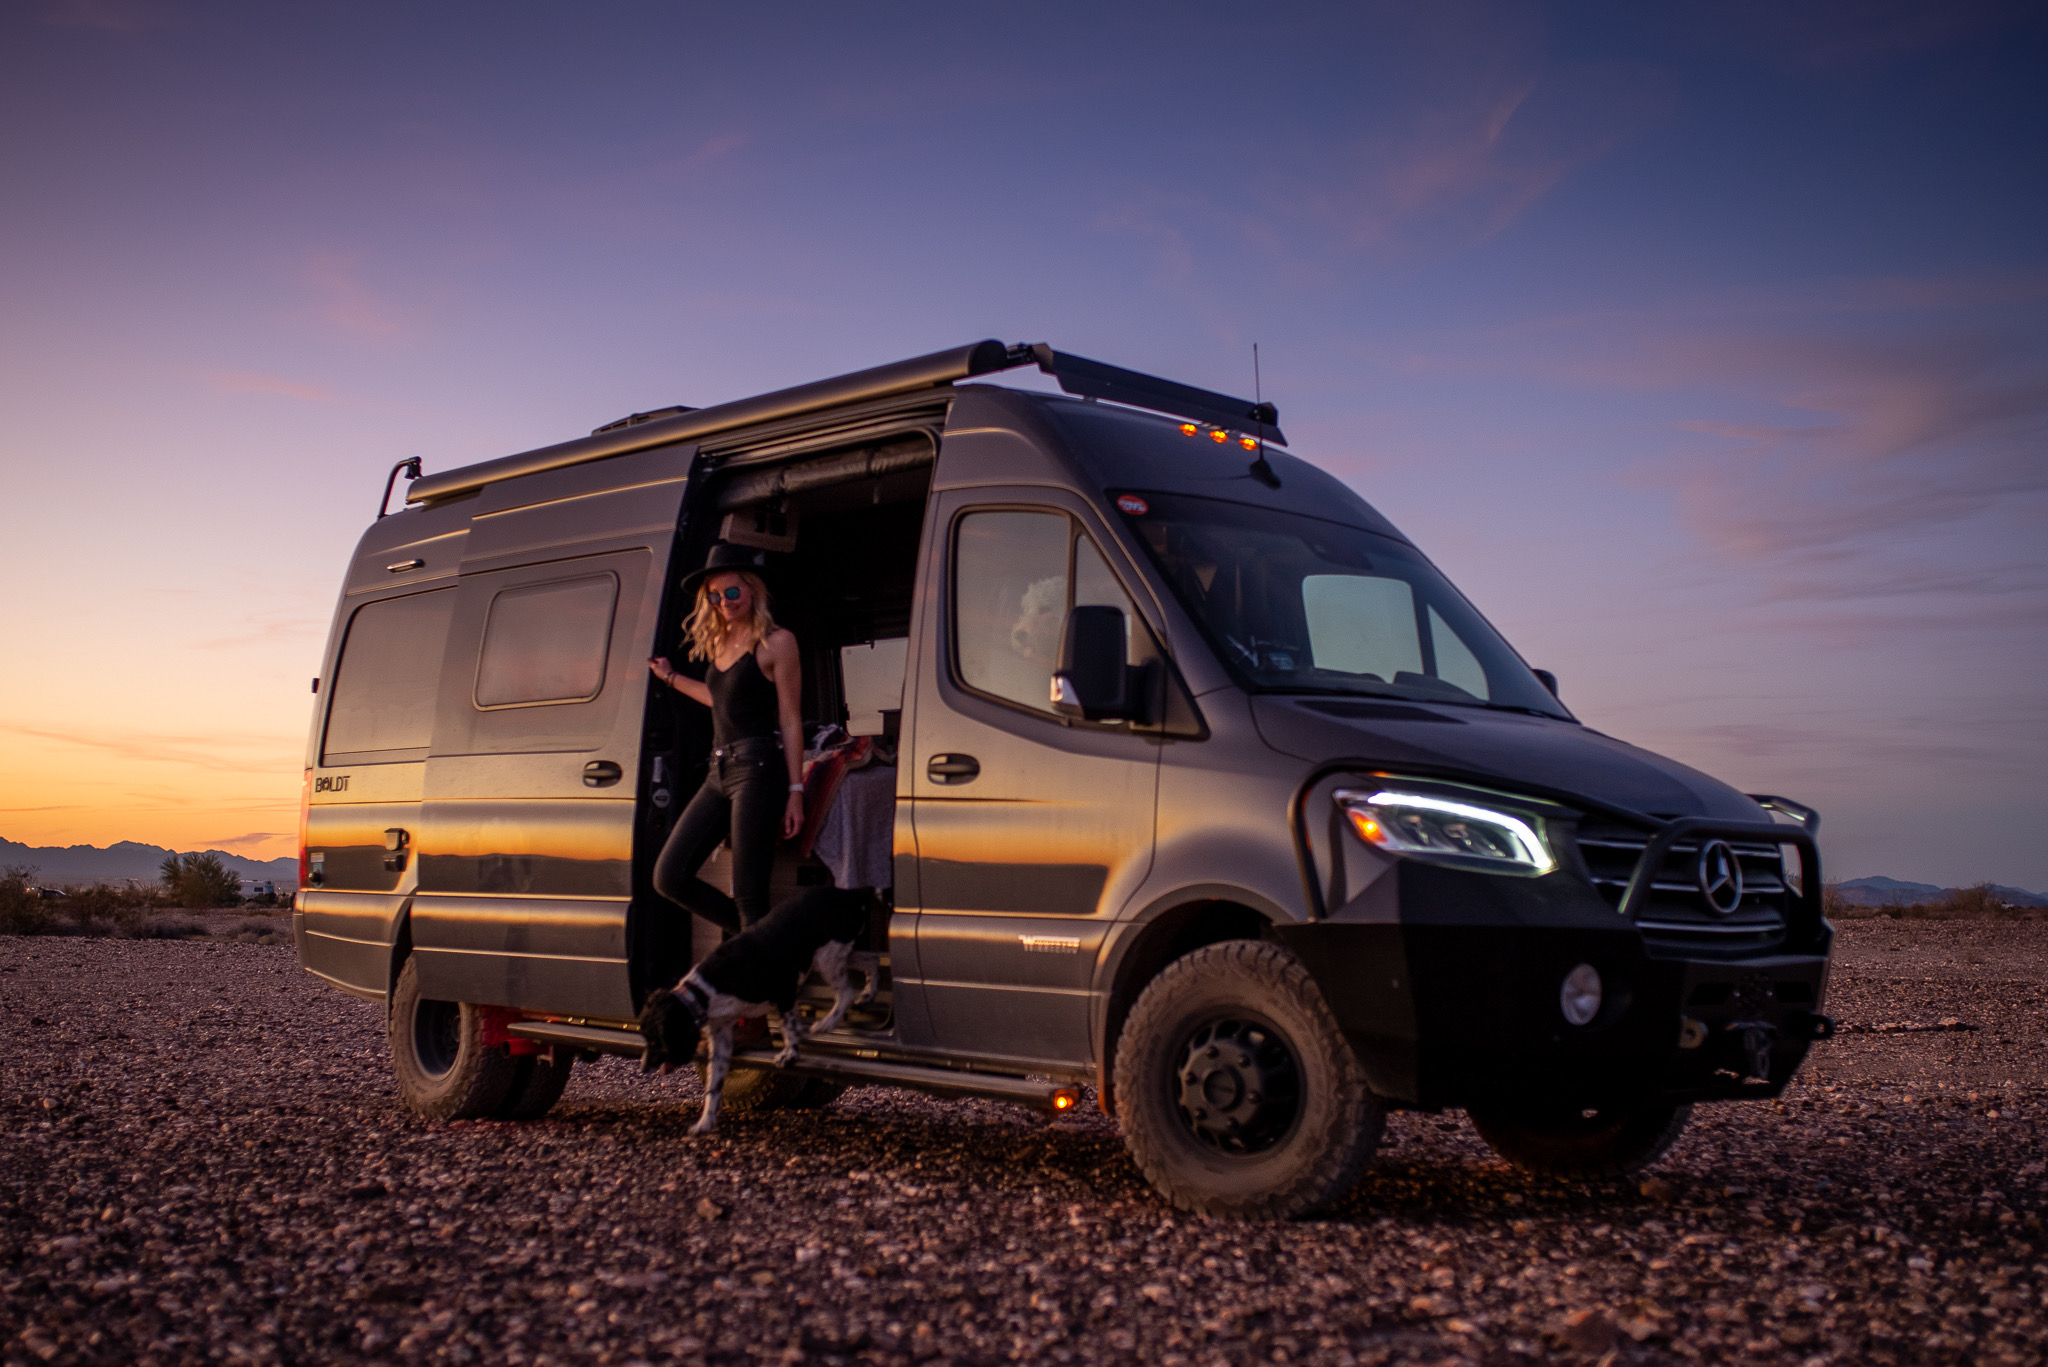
[(730, 593)]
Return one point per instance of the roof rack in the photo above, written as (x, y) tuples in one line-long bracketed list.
[(1076, 375)]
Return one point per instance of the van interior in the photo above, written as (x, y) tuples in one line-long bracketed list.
[(842, 529)]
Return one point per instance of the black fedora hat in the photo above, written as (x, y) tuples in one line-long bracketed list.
[(724, 556)]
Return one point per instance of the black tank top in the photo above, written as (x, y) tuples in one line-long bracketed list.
[(743, 702)]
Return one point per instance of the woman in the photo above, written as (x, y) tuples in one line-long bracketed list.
[(756, 774)]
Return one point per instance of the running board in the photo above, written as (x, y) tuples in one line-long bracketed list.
[(597, 1038), (1052, 1097)]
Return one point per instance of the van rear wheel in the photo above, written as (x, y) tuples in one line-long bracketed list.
[(444, 1070), (1556, 1139), (1239, 1095)]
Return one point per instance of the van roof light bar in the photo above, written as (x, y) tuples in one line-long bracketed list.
[(1095, 380)]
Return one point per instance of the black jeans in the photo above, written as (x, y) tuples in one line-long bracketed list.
[(742, 802)]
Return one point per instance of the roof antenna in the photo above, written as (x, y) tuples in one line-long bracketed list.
[(1262, 471)]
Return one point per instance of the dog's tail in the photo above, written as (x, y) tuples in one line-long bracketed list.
[(655, 1014)]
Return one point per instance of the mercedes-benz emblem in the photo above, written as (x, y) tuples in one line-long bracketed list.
[(1720, 877)]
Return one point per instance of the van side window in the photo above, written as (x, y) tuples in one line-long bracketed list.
[(1010, 603), (547, 643), (1015, 574), (381, 702)]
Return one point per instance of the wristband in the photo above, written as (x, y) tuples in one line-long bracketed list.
[(796, 787)]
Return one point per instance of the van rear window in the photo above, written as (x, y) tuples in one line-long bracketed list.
[(546, 643), (381, 703)]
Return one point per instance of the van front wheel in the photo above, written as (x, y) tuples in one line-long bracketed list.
[(444, 1070), (1239, 1095)]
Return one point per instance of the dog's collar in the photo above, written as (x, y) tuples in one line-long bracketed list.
[(694, 998)]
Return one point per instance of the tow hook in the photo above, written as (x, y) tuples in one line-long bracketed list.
[(1819, 1027), (1754, 1038)]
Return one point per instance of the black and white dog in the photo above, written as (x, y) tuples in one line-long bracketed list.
[(761, 968)]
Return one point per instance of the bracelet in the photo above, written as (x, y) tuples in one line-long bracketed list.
[(796, 787)]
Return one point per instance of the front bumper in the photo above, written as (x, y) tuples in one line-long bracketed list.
[(1449, 994)]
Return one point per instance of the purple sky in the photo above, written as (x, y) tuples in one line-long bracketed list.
[(1704, 345)]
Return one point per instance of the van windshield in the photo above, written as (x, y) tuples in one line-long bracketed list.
[(1298, 604)]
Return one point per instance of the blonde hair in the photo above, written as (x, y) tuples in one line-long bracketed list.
[(707, 627)]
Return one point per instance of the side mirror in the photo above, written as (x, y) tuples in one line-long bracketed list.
[(1092, 681), (1549, 681)]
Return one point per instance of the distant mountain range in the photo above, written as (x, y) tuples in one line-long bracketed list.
[(115, 863), (1878, 891)]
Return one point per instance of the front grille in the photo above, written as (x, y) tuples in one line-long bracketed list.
[(1675, 913)]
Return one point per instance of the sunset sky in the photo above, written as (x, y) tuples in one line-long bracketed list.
[(1704, 345)]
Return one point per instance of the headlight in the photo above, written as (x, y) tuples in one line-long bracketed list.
[(1427, 827)]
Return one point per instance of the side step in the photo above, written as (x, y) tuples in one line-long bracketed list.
[(597, 1038), (1056, 1098)]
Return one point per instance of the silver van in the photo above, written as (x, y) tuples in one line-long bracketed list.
[(1210, 791)]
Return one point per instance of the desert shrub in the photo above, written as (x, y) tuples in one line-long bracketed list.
[(198, 881), (1978, 903), (22, 912), (1836, 907), (170, 928), (103, 906)]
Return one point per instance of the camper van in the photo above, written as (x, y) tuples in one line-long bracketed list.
[(1209, 791)]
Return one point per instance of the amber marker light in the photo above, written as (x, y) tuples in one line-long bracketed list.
[(1248, 443), (1367, 827), (1219, 436), (1064, 1099), (1188, 429)]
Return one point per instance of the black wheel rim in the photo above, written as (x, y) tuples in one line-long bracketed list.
[(1237, 1085), (436, 1036)]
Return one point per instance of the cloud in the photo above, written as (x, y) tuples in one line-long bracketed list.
[(712, 149), (251, 382), (346, 302), (266, 628), (235, 753), (1463, 170), (1923, 431), (231, 843), (1425, 172)]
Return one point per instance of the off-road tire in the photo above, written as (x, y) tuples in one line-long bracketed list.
[(444, 1070), (1302, 1153), (1615, 1141), (817, 1094), (537, 1083), (757, 1091)]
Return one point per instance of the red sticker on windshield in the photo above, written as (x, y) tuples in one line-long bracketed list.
[(1132, 504)]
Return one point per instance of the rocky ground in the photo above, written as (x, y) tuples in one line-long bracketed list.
[(203, 1160)]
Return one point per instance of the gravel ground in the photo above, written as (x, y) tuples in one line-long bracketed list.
[(204, 1160)]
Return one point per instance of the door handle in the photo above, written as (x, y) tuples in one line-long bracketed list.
[(952, 768), (601, 773), (396, 841)]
